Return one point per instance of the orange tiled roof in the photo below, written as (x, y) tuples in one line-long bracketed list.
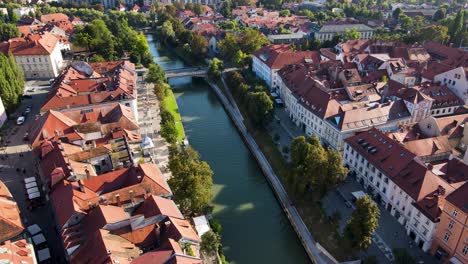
[(10, 220), (32, 44)]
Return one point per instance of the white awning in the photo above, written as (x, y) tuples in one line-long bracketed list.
[(147, 143), (34, 229), (31, 185), (38, 239), (43, 254), (34, 195), (32, 190), (201, 225), (30, 179), (454, 260)]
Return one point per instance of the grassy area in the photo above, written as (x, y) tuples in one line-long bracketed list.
[(309, 205), (171, 105)]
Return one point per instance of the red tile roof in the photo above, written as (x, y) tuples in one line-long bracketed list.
[(18, 252), (459, 198), (10, 220), (181, 229), (277, 56), (30, 45), (55, 17), (84, 84), (450, 56), (404, 169), (155, 205)]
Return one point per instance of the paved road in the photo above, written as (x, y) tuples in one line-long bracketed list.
[(299, 226), (20, 156)]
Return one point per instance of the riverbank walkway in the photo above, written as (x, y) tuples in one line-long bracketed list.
[(313, 249)]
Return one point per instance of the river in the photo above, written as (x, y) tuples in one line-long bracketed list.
[(255, 229)]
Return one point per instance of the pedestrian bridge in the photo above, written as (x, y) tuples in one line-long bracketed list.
[(187, 72)]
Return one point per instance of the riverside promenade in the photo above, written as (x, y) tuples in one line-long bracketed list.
[(316, 255)]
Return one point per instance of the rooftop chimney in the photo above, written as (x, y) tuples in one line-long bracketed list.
[(80, 184)]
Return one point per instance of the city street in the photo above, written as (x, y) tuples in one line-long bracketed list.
[(17, 156), (390, 234)]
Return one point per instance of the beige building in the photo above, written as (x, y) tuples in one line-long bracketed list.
[(38, 56), (451, 238)]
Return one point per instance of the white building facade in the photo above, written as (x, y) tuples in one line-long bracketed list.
[(456, 80), (393, 198)]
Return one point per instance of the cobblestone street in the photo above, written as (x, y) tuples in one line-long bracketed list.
[(18, 156)]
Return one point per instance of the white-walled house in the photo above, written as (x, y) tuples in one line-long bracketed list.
[(38, 56), (456, 80), (267, 61), (400, 181), (331, 114)]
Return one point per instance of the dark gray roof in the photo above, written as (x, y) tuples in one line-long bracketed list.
[(344, 27)]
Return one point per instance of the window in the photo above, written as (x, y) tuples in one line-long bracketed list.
[(455, 212), (446, 237), (450, 225), (424, 232), (465, 250)]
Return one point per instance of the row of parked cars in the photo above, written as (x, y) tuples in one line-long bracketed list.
[(22, 118), (40, 244)]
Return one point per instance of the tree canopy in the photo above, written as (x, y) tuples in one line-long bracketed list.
[(312, 164), (191, 180), (11, 81), (364, 221), (8, 31)]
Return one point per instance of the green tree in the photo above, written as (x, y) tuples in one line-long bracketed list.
[(168, 127), (191, 180), (336, 172), (458, 27), (242, 59), (259, 106), (198, 9), (14, 18), (351, 34), (396, 13), (226, 8), (160, 90), (210, 242), (364, 221), (11, 81), (215, 68), (97, 37), (8, 31), (97, 58), (284, 13), (440, 14), (198, 45), (406, 22), (167, 33), (155, 74), (229, 46), (252, 40), (434, 33)]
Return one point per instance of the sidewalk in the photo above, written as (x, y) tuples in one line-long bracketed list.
[(148, 120)]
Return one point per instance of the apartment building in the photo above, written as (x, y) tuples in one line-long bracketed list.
[(451, 239), (327, 32), (317, 102), (82, 86), (413, 192), (38, 55), (268, 60)]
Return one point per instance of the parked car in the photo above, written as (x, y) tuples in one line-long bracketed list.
[(20, 120), (28, 110), (26, 136)]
